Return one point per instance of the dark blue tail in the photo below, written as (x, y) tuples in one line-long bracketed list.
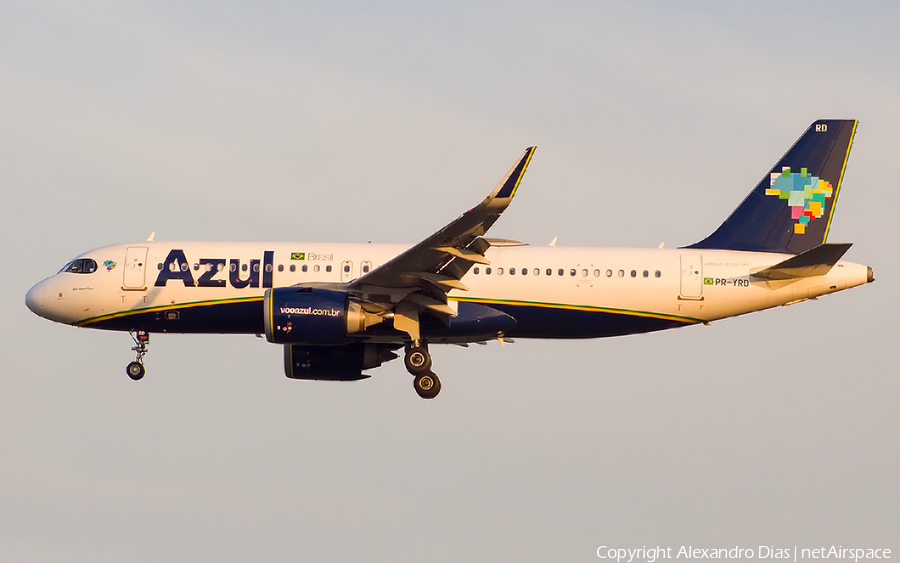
[(790, 210)]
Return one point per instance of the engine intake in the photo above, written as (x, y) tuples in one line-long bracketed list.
[(305, 315)]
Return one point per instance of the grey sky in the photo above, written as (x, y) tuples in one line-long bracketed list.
[(352, 122)]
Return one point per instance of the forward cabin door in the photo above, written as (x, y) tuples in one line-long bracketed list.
[(135, 268), (691, 276)]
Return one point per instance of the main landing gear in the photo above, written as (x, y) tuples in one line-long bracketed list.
[(135, 369), (418, 363)]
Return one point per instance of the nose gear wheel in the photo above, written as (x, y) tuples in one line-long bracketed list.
[(135, 369)]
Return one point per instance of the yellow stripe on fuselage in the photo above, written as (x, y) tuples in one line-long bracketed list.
[(646, 314), (120, 314)]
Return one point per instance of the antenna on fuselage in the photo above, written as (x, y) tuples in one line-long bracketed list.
[(150, 238)]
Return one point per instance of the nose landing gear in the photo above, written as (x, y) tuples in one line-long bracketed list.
[(418, 363), (135, 369)]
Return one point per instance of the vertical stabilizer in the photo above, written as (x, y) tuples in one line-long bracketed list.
[(790, 210)]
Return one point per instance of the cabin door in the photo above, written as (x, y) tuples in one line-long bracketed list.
[(691, 276), (135, 268)]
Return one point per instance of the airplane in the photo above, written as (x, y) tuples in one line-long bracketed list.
[(340, 309)]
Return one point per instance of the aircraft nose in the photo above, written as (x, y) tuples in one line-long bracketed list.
[(34, 299)]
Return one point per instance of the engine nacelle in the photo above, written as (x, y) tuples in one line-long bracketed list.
[(305, 315), (335, 363)]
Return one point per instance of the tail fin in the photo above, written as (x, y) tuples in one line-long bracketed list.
[(790, 210)]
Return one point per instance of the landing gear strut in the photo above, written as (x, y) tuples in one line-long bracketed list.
[(135, 369), (418, 363)]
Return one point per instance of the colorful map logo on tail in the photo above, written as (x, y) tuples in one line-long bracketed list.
[(805, 194)]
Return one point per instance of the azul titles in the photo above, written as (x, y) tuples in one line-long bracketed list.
[(258, 272)]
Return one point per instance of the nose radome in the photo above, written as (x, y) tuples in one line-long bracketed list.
[(34, 299)]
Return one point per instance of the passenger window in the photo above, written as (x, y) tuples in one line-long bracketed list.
[(549, 272), (347, 268), (304, 268), (243, 267), (512, 271), (487, 271), (159, 266), (584, 273), (476, 270), (560, 271), (658, 273), (196, 266), (646, 273), (634, 273), (524, 271), (621, 273), (268, 267), (221, 266), (499, 271), (184, 267), (328, 268), (366, 269), (256, 267), (596, 273), (572, 272), (293, 267), (609, 273), (281, 267), (316, 268)]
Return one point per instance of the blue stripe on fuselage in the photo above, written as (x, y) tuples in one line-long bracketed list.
[(246, 317)]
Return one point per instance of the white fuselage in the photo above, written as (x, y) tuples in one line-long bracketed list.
[(685, 286)]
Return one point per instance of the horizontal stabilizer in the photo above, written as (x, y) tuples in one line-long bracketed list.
[(817, 261)]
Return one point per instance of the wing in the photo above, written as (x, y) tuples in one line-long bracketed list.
[(419, 279)]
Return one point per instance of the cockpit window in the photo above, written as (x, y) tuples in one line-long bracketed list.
[(81, 266)]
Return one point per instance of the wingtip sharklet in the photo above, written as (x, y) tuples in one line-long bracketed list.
[(509, 184)]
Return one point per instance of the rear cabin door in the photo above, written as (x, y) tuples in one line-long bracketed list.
[(135, 268), (691, 276)]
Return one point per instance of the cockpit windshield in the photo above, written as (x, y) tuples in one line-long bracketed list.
[(80, 266)]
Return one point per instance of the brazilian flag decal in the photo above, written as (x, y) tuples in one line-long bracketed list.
[(298, 256), (707, 281)]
